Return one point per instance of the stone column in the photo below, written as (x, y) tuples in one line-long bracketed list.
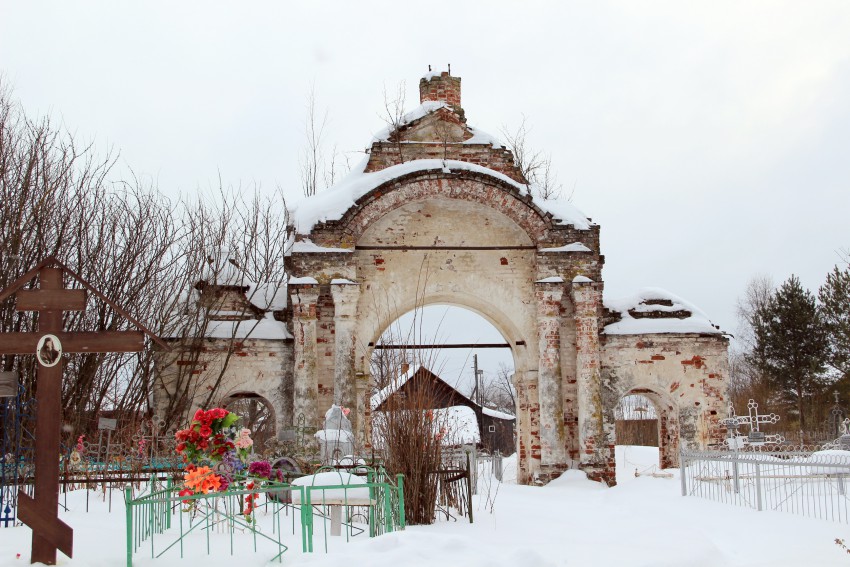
[(345, 295), (593, 444), (305, 378), (552, 444), (527, 433)]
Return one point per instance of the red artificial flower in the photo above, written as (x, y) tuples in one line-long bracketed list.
[(199, 415), (181, 447), (186, 492), (206, 431)]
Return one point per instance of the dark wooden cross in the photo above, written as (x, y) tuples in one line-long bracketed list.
[(51, 299)]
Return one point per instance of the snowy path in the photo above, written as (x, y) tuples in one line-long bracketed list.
[(572, 522)]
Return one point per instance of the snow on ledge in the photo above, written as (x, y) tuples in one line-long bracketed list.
[(582, 279), (307, 246), (431, 74), (479, 136), (420, 111), (644, 302), (574, 247), (332, 203), (303, 281), (553, 279), (342, 281)]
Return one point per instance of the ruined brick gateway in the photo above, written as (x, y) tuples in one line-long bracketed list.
[(438, 214)]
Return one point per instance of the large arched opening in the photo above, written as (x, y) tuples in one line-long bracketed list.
[(468, 239), (464, 350)]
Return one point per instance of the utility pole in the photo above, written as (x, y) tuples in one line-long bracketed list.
[(477, 398)]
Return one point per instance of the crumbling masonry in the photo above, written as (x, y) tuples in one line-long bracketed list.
[(440, 214)]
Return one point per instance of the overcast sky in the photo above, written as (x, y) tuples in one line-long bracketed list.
[(711, 140)]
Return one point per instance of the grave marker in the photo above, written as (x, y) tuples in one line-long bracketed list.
[(51, 299)]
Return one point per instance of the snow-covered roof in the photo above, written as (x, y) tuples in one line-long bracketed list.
[(551, 279), (654, 310), (332, 203), (266, 328), (267, 296), (497, 414), (387, 391), (224, 272), (479, 136), (420, 111)]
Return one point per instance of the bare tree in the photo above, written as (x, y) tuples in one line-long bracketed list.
[(745, 379), (124, 238), (497, 391), (140, 249), (339, 165), (312, 162), (534, 165), (234, 242), (393, 115)]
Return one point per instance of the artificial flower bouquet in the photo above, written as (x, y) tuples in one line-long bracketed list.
[(218, 456)]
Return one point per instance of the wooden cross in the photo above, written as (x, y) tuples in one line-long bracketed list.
[(51, 300)]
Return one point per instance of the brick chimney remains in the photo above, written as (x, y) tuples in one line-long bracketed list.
[(442, 87)]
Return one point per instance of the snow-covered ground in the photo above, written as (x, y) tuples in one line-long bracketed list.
[(642, 522)]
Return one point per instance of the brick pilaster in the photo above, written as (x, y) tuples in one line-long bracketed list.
[(305, 298), (552, 443), (345, 296)]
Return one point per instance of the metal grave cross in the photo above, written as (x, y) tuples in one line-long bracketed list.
[(754, 419), (51, 299)]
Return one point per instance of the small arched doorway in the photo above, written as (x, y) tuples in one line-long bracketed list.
[(256, 414), (636, 421), (645, 417)]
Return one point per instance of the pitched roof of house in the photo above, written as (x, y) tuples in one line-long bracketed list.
[(395, 385)]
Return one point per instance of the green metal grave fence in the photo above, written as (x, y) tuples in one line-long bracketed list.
[(162, 520)]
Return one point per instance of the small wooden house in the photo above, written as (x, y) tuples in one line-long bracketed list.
[(495, 428)]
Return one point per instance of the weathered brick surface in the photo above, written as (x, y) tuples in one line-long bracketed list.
[(473, 240), (254, 366), (685, 376), (595, 451), (442, 87), (305, 313), (549, 297)]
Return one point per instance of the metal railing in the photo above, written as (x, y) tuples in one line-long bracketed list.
[(806, 483), (162, 520)]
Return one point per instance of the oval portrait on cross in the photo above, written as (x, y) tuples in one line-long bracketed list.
[(48, 351)]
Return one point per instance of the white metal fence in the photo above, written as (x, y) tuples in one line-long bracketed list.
[(806, 483)]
